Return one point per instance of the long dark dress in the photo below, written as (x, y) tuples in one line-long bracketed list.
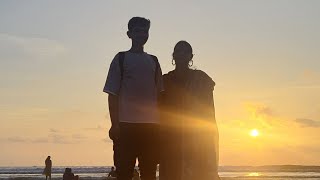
[(189, 134), (47, 169)]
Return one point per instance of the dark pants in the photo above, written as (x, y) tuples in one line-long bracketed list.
[(171, 153), (137, 140)]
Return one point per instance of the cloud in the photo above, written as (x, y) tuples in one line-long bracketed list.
[(98, 128), (60, 139), (17, 139), (307, 79), (55, 136), (261, 114), (258, 110), (40, 140), (267, 117), (307, 122), (12, 45), (78, 136), (53, 130), (63, 137), (25, 113)]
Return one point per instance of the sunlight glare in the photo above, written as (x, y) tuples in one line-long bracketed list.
[(254, 133), (254, 174)]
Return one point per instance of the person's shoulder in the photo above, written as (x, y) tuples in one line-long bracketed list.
[(205, 78), (167, 75), (152, 55), (120, 53), (116, 57)]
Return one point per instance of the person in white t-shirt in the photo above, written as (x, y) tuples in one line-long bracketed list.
[(134, 82)]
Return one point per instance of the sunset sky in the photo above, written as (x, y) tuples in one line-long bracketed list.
[(263, 55)]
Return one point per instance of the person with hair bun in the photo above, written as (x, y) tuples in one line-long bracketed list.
[(189, 132)]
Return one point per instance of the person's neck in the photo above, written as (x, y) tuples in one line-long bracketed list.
[(181, 69), (136, 49)]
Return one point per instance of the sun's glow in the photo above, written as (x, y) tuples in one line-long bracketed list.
[(254, 133), (254, 174)]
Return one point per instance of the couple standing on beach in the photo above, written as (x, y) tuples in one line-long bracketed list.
[(167, 120)]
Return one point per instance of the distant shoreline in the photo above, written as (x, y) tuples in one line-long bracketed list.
[(273, 168), (104, 169), (270, 172), (222, 167)]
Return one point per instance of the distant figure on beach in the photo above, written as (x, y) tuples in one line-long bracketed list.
[(134, 82), (47, 169), (112, 173), (68, 175), (136, 175), (189, 133)]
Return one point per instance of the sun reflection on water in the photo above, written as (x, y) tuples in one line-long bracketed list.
[(254, 174)]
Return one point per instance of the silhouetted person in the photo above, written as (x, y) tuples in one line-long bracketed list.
[(133, 84), (47, 169), (188, 127), (68, 175), (136, 175), (112, 173)]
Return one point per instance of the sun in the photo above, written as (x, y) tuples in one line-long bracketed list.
[(254, 133)]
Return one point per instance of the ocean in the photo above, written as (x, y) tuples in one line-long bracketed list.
[(285, 172)]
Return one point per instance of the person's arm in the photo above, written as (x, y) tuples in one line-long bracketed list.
[(159, 78), (211, 115), (212, 119), (112, 87), (216, 137), (113, 101)]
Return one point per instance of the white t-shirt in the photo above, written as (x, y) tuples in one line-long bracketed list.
[(138, 90)]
